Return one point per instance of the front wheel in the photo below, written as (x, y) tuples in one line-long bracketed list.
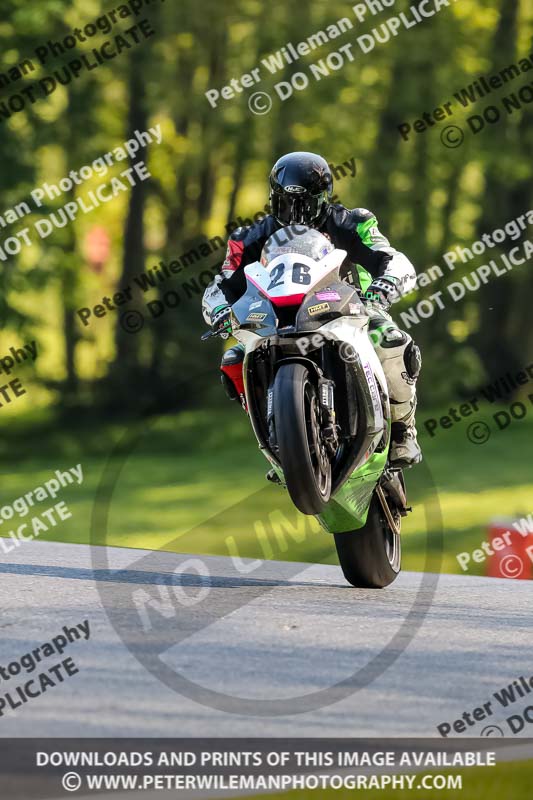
[(370, 557), (302, 453)]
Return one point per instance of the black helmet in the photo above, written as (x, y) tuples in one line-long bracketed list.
[(301, 185)]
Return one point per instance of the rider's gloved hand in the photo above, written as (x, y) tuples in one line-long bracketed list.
[(382, 291), (221, 321)]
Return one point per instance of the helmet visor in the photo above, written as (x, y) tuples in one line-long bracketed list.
[(297, 209)]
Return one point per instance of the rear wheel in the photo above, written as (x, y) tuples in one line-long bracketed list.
[(370, 557), (302, 453)]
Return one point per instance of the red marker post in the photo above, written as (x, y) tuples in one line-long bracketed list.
[(512, 549)]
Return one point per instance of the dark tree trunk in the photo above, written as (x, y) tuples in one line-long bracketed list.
[(127, 344), (497, 350)]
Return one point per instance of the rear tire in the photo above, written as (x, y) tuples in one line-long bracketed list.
[(305, 463), (370, 557)]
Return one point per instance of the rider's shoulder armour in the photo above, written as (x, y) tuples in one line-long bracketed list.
[(258, 231), (361, 214)]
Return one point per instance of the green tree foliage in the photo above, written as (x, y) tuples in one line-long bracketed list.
[(212, 167)]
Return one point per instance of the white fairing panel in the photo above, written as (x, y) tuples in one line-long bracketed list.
[(354, 332), (292, 274)]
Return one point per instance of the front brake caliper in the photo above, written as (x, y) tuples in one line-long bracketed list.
[(330, 430)]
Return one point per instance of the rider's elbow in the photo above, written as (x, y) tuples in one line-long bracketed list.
[(401, 268)]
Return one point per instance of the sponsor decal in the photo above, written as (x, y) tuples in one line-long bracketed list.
[(371, 449), (257, 304), (327, 294), (355, 308), (295, 189), (255, 317), (270, 404), (321, 308), (374, 394)]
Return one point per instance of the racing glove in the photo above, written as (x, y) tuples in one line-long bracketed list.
[(221, 321), (383, 291)]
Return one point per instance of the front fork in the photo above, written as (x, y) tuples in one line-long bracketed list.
[(330, 429), (326, 400)]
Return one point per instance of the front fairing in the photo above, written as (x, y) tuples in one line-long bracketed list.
[(293, 294), (255, 313)]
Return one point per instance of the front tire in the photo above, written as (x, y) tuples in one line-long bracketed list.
[(302, 454), (370, 557)]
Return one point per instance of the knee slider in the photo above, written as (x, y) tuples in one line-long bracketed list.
[(233, 356), (412, 358)]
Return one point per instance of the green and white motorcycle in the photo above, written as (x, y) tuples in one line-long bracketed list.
[(318, 402)]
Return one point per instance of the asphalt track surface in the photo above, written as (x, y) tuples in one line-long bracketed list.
[(292, 631)]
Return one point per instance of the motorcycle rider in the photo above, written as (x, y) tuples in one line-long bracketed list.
[(301, 188)]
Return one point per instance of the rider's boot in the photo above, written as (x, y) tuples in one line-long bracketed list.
[(405, 450)]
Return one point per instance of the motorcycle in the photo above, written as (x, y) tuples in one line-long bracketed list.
[(318, 401)]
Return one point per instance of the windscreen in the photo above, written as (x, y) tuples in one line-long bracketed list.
[(296, 239)]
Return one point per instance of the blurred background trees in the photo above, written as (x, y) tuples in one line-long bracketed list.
[(213, 164)]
